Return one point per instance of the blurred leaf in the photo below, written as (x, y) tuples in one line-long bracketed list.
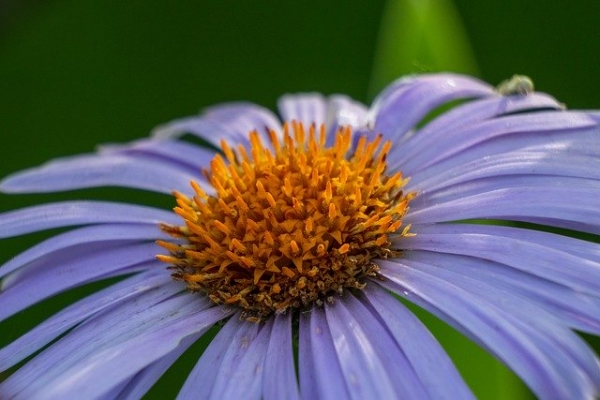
[(419, 36)]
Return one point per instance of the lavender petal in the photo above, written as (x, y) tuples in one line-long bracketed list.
[(93, 171), (427, 358), (200, 380), (280, 372), (89, 234), (320, 372), (69, 213), (68, 269), (548, 371), (405, 102), (64, 320)]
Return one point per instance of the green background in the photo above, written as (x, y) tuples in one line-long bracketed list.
[(79, 72)]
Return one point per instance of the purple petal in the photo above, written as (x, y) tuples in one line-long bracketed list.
[(533, 354), (540, 323), (147, 377), (236, 355), (69, 213), (404, 103), (543, 200), (373, 364), (279, 381), (550, 132), (537, 270), (307, 108), (343, 111), (229, 122), (199, 382), (127, 319), (59, 323), (119, 362), (70, 268), (191, 157), (321, 375), (247, 371), (465, 116), (89, 234), (93, 171), (431, 363)]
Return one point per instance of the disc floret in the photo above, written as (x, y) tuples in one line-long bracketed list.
[(290, 224)]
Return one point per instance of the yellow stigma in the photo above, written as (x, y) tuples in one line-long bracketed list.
[(289, 224)]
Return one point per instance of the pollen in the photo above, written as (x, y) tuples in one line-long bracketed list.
[(288, 222)]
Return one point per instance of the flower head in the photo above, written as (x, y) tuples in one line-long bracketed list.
[(305, 230)]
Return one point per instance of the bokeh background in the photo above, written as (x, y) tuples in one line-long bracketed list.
[(75, 73)]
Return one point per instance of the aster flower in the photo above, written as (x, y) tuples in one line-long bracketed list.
[(309, 231)]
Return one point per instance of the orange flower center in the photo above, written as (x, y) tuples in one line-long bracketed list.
[(289, 224)]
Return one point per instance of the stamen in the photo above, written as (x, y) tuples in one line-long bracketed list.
[(292, 224)]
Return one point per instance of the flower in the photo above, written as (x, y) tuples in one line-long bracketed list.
[(306, 231)]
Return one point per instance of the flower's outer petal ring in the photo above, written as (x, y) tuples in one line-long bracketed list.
[(198, 384), (462, 117), (373, 363), (185, 155), (247, 371), (307, 108), (321, 376), (64, 320), (134, 316), (87, 234), (88, 171), (403, 104), (69, 213), (142, 381), (230, 122), (427, 358), (551, 132), (279, 381), (122, 361), (573, 351), (548, 372), (343, 111), (71, 268), (574, 206)]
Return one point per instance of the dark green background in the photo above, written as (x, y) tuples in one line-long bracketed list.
[(80, 72)]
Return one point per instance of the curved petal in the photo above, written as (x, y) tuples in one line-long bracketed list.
[(142, 381), (68, 269), (404, 103), (307, 108), (128, 319), (543, 267), (198, 384), (343, 111), (59, 323), (85, 235), (247, 371), (69, 213), (430, 362), (228, 365), (121, 361), (279, 381), (93, 171), (373, 363), (230, 122), (573, 350), (188, 156), (546, 201), (552, 132), (321, 375), (533, 354), (463, 117)]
